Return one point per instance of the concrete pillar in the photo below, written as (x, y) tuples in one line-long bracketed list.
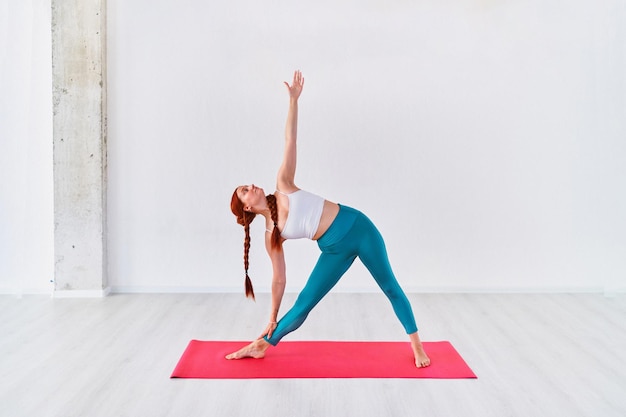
[(79, 136)]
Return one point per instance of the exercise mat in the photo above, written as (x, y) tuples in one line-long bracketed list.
[(321, 359)]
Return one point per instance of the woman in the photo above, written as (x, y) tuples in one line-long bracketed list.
[(342, 234)]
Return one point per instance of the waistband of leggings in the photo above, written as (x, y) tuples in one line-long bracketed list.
[(340, 226)]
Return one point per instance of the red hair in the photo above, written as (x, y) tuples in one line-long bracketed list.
[(244, 218)]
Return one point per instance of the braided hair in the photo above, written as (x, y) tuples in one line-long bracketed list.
[(244, 218)]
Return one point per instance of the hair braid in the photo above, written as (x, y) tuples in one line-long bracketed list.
[(271, 204), (244, 218), (246, 251)]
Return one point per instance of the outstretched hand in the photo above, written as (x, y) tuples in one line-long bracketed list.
[(269, 330), (295, 89)]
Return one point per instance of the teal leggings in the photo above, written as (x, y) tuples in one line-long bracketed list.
[(350, 235)]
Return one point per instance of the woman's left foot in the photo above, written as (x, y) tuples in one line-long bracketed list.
[(421, 358)]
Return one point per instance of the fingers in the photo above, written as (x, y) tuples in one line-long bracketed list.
[(269, 330), (298, 80)]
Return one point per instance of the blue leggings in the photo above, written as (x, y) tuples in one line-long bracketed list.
[(350, 235)]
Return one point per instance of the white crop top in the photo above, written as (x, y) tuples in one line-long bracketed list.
[(305, 213)]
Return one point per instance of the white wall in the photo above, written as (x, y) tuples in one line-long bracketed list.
[(485, 138), (26, 213)]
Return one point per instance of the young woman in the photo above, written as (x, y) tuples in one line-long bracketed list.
[(342, 233)]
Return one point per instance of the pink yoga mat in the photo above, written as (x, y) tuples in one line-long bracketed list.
[(205, 359)]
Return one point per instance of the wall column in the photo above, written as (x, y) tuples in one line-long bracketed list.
[(79, 136)]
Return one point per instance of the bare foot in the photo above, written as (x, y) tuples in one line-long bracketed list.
[(254, 350), (421, 358)]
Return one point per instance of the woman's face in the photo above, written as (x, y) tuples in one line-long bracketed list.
[(251, 196)]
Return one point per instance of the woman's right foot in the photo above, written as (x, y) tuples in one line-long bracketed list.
[(254, 350)]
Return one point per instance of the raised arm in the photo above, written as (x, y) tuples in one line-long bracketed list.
[(286, 173)]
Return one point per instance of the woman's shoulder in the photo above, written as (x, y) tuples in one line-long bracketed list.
[(287, 190)]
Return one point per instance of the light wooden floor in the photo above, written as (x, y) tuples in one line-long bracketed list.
[(535, 355)]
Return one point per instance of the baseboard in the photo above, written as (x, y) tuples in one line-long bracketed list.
[(82, 293), (175, 290), (507, 290), (614, 291), (371, 290), (608, 292), (20, 294)]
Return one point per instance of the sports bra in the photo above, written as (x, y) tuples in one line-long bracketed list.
[(305, 213)]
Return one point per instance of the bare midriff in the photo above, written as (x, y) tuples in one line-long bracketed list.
[(329, 212)]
